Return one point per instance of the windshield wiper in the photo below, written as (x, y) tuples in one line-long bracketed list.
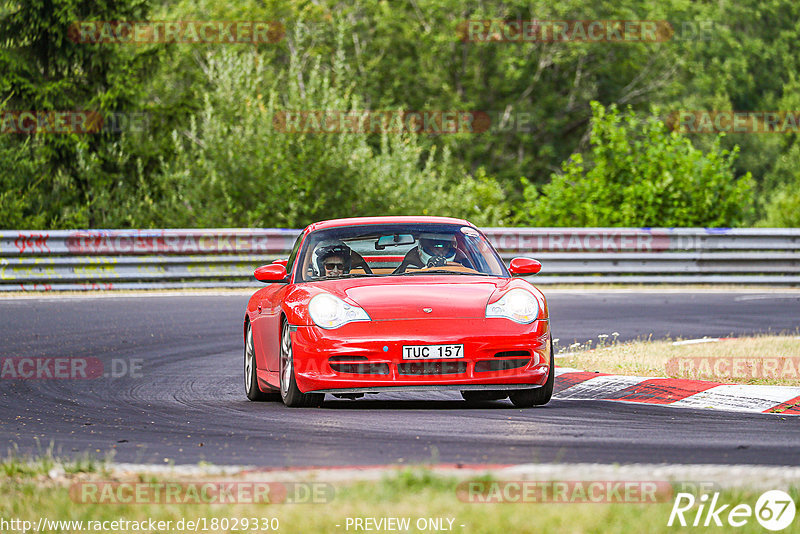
[(349, 275), (444, 271)]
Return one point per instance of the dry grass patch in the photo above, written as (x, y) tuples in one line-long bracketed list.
[(766, 360)]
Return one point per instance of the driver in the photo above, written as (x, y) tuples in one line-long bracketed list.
[(436, 251), (433, 250), (332, 260)]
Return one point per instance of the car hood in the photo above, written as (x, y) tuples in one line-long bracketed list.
[(409, 298)]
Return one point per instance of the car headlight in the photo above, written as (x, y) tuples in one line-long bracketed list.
[(518, 305), (328, 311)]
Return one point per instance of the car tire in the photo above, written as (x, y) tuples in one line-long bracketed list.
[(250, 377), (479, 395), (526, 398), (291, 395)]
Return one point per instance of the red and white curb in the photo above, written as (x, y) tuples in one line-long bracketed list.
[(572, 384)]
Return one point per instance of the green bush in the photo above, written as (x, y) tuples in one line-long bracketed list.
[(21, 188), (638, 173), (783, 208), (782, 203)]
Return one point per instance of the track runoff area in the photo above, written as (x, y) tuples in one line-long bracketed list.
[(659, 497)]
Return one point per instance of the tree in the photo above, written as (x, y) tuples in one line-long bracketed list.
[(44, 70), (638, 173), (234, 167)]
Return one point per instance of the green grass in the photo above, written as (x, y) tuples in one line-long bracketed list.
[(414, 493), (17, 465)]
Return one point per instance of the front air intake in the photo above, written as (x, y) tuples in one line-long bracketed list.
[(513, 354), (353, 365), (486, 366), (431, 368)]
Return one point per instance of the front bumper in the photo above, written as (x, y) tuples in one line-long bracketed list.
[(367, 356)]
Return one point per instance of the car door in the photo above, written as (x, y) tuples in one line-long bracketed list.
[(269, 316)]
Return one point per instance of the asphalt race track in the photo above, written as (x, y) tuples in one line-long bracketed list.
[(185, 402)]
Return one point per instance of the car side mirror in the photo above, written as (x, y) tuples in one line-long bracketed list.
[(522, 266), (274, 272), (283, 262)]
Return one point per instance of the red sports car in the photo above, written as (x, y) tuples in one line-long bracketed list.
[(375, 304)]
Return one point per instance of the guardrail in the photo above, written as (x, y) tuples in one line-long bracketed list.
[(156, 259)]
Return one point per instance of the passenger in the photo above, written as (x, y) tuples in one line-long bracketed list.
[(333, 260)]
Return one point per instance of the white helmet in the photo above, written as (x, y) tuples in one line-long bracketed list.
[(437, 246)]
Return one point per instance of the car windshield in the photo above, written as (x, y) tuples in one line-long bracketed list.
[(397, 250)]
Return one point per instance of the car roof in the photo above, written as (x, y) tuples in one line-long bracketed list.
[(356, 221)]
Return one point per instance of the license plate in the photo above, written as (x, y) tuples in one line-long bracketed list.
[(432, 352)]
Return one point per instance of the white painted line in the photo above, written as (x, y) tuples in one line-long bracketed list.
[(564, 370), (696, 341), (766, 297), (600, 387), (739, 398)]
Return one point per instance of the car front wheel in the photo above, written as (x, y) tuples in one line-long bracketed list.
[(526, 398), (290, 394)]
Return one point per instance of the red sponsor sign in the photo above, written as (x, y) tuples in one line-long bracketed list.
[(569, 491), (549, 31), (48, 368), (177, 31)]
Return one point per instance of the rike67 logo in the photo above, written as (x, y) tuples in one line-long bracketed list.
[(774, 510)]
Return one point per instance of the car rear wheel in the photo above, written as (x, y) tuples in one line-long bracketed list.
[(290, 393), (250, 378), (525, 398), (473, 395)]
